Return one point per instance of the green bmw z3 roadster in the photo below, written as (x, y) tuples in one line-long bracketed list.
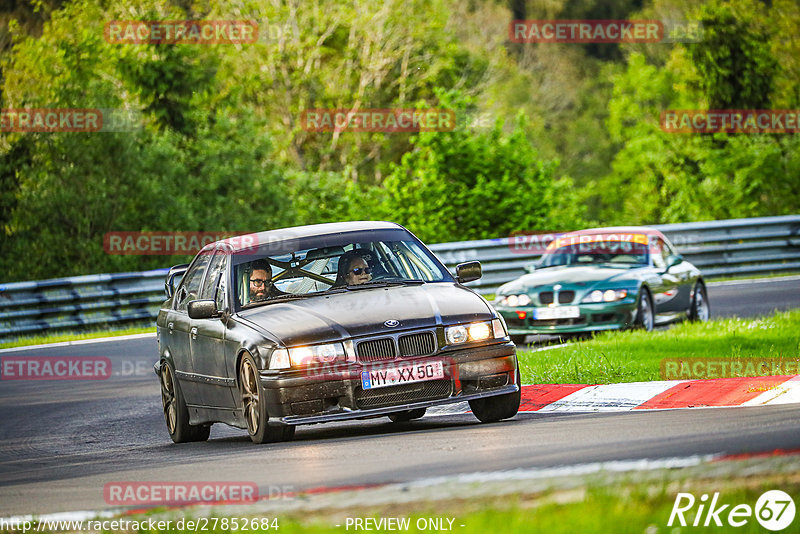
[(603, 279)]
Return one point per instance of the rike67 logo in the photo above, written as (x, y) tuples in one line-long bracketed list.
[(774, 510)]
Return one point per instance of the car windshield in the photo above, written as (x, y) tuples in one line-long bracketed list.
[(325, 264), (624, 250)]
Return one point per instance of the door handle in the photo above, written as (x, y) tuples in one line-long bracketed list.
[(194, 332), (171, 327)]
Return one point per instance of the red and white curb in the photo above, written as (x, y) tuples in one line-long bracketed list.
[(751, 391)]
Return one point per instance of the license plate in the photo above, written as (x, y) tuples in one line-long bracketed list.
[(557, 312), (381, 377)]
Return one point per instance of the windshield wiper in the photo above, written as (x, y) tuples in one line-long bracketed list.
[(290, 296), (385, 283)]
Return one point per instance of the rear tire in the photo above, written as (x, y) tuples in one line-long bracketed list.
[(491, 409), (700, 310), (254, 406), (176, 415), (408, 415)]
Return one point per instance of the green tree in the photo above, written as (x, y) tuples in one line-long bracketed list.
[(476, 185)]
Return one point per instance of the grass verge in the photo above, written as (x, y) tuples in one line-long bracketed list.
[(73, 336), (627, 505), (613, 357)]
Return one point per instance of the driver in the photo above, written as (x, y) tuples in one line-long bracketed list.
[(353, 268), (261, 287)]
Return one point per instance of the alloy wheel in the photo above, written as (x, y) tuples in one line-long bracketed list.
[(168, 398), (250, 398)]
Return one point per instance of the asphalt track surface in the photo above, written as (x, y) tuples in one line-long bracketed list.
[(62, 441)]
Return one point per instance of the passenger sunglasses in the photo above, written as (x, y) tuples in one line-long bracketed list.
[(359, 270)]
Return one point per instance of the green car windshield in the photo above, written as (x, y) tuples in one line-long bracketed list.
[(593, 249)]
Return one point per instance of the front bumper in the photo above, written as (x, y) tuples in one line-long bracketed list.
[(593, 317), (336, 394)]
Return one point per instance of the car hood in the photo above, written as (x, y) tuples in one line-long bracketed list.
[(575, 278), (362, 312)]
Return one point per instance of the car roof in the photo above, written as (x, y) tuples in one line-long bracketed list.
[(617, 230), (299, 232)]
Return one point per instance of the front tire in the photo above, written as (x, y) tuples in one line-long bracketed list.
[(645, 314), (176, 415), (254, 406), (491, 409), (700, 310)]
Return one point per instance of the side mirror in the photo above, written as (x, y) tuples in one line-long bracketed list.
[(467, 272), (202, 309), (673, 260), (174, 277), (530, 267)]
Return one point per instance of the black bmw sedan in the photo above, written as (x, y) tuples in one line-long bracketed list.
[(326, 323)]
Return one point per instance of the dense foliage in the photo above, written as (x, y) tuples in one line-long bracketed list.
[(549, 136)]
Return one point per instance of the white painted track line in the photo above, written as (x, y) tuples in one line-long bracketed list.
[(79, 342)]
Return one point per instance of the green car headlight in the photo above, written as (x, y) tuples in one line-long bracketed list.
[(609, 295), (514, 300)]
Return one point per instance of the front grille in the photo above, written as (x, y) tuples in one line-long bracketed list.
[(375, 350), (422, 344), (559, 322), (404, 393), (546, 297), (565, 297)]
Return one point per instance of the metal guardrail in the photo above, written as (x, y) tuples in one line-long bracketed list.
[(719, 248), (79, 302), (732, 247)]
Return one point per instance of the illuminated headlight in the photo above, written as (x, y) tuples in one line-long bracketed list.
[(609, 295), (482, 331), (514, 300), (307, 355), (479, 331)]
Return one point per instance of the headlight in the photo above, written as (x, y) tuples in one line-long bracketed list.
[(455, 334), (463, 333), (307, 355), (279, 359), (609, 295), (514, 300)]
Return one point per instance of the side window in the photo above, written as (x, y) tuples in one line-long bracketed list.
[(191, 282), (659, 251), (216, 268)]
